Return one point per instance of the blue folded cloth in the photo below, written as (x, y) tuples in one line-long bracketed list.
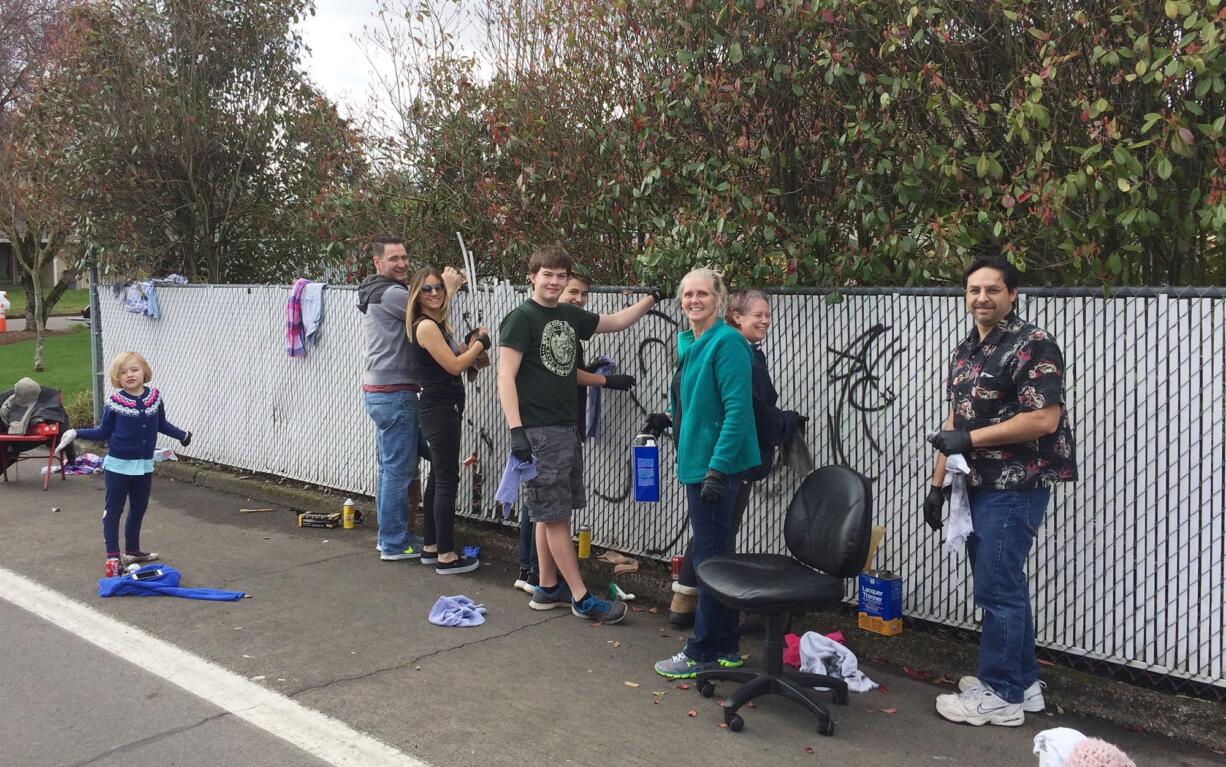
[(457, 611), (517, 471), (164, 584)]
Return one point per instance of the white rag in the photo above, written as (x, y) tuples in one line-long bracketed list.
[(959, 527), (1054, 746), (822, 655)]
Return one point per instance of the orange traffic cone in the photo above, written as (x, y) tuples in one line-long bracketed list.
[(4, 323)]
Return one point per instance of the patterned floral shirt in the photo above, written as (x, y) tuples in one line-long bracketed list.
[(1017, 368)]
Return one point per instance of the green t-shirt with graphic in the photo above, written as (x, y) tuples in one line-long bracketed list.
[(549, 340)]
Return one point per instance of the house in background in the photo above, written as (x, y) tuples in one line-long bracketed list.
[(10, 270)]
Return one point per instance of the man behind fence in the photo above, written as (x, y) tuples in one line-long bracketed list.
[(1008, 421), (389, 390)]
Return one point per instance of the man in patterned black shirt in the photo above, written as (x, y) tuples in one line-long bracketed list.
[(1008, 420)]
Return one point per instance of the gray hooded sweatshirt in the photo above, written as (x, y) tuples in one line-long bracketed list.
[(383, 303)]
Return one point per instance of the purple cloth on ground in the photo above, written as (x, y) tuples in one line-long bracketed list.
[(508, 489), (457, 611)]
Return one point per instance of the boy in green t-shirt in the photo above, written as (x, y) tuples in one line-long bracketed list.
[(536, 385)]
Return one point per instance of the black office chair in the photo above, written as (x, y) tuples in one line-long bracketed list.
[(827, 531)]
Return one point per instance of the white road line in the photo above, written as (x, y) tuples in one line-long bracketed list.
[(318, 734)]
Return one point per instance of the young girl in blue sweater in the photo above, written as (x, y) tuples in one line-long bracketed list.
[(132, 418)]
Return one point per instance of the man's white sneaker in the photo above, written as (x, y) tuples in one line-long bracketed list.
[(1032, 699), (980, 706)]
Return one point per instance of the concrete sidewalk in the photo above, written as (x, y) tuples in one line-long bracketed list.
[(341, 632)]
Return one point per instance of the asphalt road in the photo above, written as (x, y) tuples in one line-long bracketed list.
[(333, 629)]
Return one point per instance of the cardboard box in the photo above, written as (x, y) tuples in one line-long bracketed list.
[(319, 519), (880, 597)]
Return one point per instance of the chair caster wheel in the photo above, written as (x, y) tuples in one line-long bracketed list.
[(706, 689), (840, 697), (825, 727), (734, 722)]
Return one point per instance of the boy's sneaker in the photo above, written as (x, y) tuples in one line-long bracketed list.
[(1032, 698), (461, 565), (396, 556), (547, 600), (113, 567), (680, 666), (595, 609), (980, 706), (527, 580), (731, 661), (139, 557), (429, 557)]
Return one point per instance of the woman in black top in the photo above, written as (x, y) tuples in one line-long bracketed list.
[(440, 363)]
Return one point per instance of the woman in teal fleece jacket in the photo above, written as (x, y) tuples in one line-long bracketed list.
[(712, 414)]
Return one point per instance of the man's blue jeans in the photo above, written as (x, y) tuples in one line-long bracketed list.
[(1005, 525), (395, 417), (715, 632)]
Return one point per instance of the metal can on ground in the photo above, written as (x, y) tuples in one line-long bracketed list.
[(678, 561), (348, 514), (585, 541)]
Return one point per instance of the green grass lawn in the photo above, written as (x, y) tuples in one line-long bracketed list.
[(65, 362), (69, 305)]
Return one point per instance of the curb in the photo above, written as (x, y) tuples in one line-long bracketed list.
[(943, 661)]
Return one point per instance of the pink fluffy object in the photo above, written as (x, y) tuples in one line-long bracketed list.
[(1093, 752)]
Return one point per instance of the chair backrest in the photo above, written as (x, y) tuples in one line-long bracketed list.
[(829, 521)]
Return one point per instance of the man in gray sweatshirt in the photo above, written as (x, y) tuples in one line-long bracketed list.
[(389, 390)]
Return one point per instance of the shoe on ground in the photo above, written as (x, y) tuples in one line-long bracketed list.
[(546, 600), (429, 557), (681, 610), (980, 706), (527, 580), (395, 556), (139, 557), (731, 661), (594, 609), (1032, 698), (680, 666), (461, 565)]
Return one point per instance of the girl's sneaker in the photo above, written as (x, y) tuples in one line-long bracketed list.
[(114, 568), (139, 557)]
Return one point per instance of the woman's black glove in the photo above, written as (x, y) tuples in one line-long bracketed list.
[(934, 502), (657, 423), (187, 440), (481, 338), (619, 382), (521, 448), (713, 486)]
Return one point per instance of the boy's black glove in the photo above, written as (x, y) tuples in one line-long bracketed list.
[(187, 440), (656, 295), (521, 449), (657, 423), (934, 502), (713, 486), (619, 382), (952, 441)]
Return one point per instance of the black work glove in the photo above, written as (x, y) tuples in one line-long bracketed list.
[(656, 295), (520, 447), (657, 423), (619, 382), (713, 486), (187, 440), (484, 340), (934, 502), (952, 442)]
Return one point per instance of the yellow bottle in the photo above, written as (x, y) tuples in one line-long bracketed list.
[(347, 514), (585, 541)]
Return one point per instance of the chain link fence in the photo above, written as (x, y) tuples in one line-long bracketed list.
[(1129, 567)]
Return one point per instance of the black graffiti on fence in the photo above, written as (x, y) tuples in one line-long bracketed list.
[(856, 373)]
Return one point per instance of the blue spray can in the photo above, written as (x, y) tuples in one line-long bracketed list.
[(646, 461)]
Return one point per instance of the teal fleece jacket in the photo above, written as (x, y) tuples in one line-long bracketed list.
[(715, 426)]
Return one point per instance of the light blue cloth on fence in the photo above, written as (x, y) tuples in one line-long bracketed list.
[(604, 366), (517, 471), (313, 311), (457, 611), (166, 584)]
